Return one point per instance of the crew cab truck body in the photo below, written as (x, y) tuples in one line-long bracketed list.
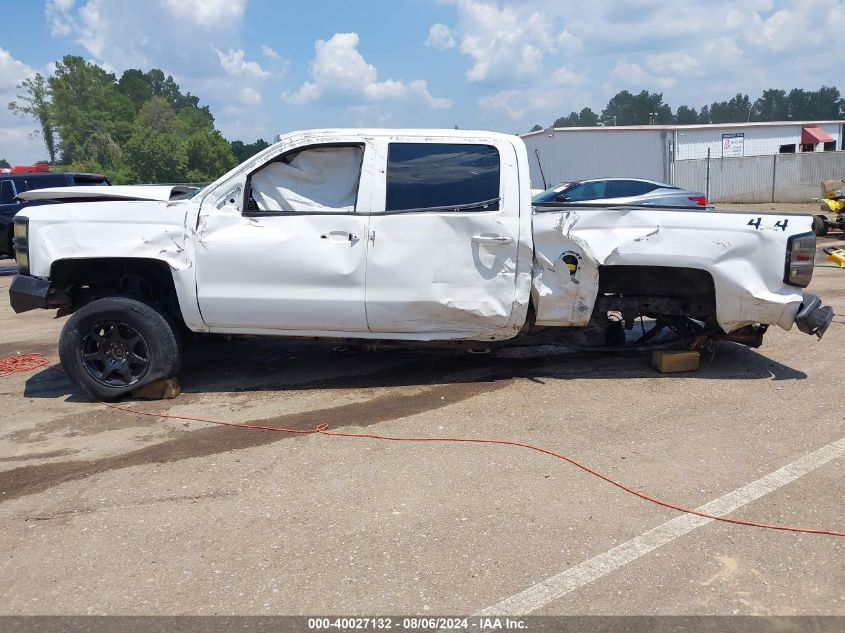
[(399, 235)]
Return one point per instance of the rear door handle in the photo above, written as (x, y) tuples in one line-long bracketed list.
[(491, 240)]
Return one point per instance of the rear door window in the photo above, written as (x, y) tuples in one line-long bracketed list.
[(434, 176)]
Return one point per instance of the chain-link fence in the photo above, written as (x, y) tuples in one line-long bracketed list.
[(774, 178)]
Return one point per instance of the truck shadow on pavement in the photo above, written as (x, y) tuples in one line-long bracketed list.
[(265, 365), (254, 366)]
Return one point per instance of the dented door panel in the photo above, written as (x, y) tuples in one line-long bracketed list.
[(451, 274)]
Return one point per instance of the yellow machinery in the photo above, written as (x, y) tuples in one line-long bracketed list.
[(833, 201), (835, 255)]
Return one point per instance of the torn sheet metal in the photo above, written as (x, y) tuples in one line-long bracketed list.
[(744, 256)]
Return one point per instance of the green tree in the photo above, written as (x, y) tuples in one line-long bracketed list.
[(243, 151), (772, 105), (536, 128), (4, 163), (629, 109), (155, 157), (140, 128), (209, 156), (35, 102), (808, 105), (685, 115), (735, 110), (585, 118), (90, 115)]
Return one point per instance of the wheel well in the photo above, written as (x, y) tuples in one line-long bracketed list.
[(655, 290), (80, 281)]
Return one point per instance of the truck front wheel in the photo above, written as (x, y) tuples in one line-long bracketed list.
[(819, 225), (114, 345)]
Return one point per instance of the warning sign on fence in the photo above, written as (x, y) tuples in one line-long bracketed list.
[(733, 145)]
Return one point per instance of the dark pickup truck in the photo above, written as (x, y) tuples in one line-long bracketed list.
[(12, 184)]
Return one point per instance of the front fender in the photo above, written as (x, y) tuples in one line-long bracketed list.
[(118, 229)]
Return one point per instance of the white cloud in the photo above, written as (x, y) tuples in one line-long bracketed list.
[(12, 72), (234, 63), (249, 96), (674, 63), (340, 73), (440, 37), (210, 14), (564, 76), (20, 142), (277, 64), (569, 42), (514, 103), (170, 34), (507, 41), (58, 17), (269, 53), (630, 73), (419, 87)]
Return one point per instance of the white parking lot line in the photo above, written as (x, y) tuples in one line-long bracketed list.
[(571, 579)]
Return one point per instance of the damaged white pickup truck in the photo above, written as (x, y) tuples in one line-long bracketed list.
[(414, 235)]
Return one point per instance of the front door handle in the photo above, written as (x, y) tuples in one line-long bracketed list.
[(340, 237), (491, 240)]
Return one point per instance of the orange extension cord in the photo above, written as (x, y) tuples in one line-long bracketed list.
[(21, 362), (28, 362), (323, 429)]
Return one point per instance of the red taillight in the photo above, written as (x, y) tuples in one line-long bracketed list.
[(700, 201)]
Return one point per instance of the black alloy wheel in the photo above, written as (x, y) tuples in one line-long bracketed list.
[(115, 354)]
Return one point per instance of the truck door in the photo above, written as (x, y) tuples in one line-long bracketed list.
[(443, 239), (288, 251)]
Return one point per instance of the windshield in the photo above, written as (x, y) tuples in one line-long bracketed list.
[(549, 195)]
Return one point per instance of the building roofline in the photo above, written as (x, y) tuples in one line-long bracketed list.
[(673, 127)]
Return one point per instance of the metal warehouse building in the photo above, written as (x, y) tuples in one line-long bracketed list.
[(731, 161)]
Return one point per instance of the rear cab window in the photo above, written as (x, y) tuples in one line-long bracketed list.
[(89, 179), (442, 177)]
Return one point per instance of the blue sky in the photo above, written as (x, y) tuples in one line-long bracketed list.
[(270, 66)]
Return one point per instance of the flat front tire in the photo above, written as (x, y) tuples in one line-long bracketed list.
[(114, 345)]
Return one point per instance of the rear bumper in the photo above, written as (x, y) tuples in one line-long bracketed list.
[(813, 317), (28, 293)]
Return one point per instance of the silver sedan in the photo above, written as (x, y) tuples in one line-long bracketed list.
[(622, 191)]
